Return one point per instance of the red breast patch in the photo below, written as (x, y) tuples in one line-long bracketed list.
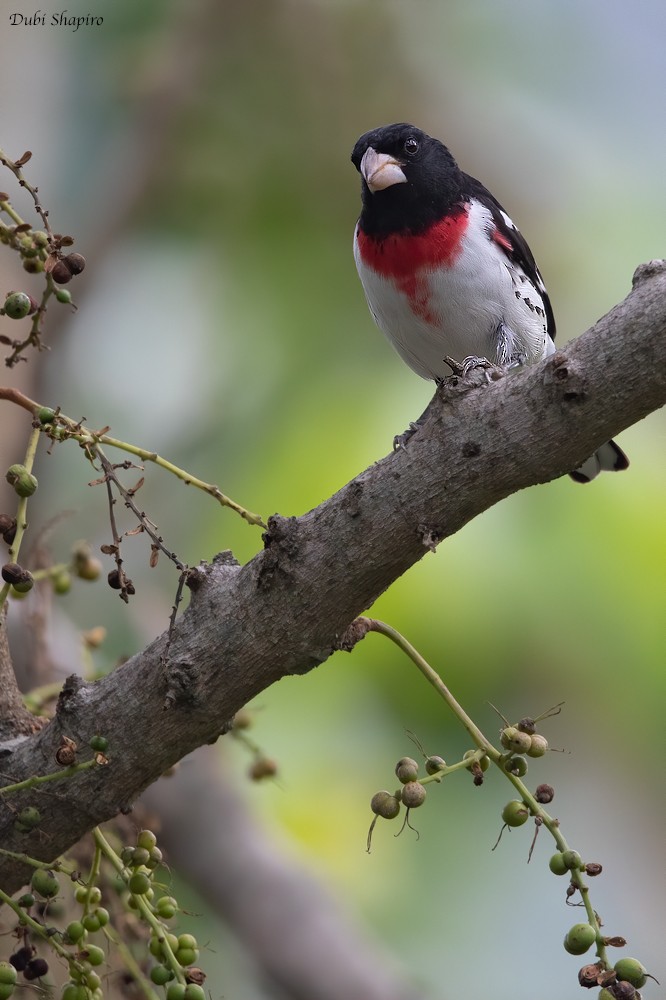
[(407, 259)]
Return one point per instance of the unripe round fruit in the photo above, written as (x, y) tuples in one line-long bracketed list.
[(25, 585), (517, 766), (62, 583), (93, 981), (26, 901), (95, 956), (63, 295), (99, 744), (91, 922), (89, 569), (194, 992), (175, 991), (146, 838), (139, 884), (45, 883), (434, 764), (186, 956), (573, 860), (511, 738), (580, 939), (73, 991), (46, 415), (75, 931), (385, 805), (23, 482), (515, 813), (141, 856), (8, 974), (166, 907), (187, 941), (161, 975), (413, 794), (631, 970), (17, 305), (30, 817), (557, 864), (6, 990), (406, 770), (538, 746)]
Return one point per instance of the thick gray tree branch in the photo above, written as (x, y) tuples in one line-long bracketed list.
[(286, 610)]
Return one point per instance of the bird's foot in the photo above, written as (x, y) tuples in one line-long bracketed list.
[(401, 440), (459, 369)]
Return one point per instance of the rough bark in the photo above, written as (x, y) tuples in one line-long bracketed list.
[(286, 610)]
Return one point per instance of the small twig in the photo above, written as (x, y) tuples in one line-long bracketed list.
[(15, 167)]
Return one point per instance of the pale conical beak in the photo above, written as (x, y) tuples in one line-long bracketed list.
[(380, 171)]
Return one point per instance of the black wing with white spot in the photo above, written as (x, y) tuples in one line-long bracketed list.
[(514, 244)]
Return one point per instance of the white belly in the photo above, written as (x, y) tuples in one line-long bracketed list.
[(484, 305)]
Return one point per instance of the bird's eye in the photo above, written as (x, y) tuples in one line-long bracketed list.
[(411, 146)]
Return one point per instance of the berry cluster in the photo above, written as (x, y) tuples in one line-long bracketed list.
[(519, 743)]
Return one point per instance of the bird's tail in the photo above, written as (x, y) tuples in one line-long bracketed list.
[(608, 458)]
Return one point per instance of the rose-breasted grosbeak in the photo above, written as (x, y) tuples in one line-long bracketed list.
[(444, 269)]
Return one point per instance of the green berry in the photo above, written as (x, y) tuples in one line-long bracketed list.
[(73, 991), (6, 990), (17, 305), (75, 931), (91, 922), (557, 864), (516, 765), (139, 884), (62, 582), (45, 883), (161, 975), (579, 939), (146, 839), (187, 941), (515, 813), (102, 915), (538, 746), (8, 974), (166, 907), (434, 764), (194, 992), (63, 295), (30, 817), (631, 970), (141, 857), (175, 991), (186, 956), (512, 738), (573, 861), (23, 482), (26, 901), (46, 415), (99, 744), (95, 956), (93, 981)]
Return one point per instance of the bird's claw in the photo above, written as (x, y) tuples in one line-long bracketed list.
[(401, 440)]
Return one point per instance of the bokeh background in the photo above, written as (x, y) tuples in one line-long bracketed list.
[(199, 152)]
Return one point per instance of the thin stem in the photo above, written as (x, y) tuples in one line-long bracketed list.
[(142, 905), (41, 779), (34, 863), (535, 808), (22, 509), (38, 928)]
